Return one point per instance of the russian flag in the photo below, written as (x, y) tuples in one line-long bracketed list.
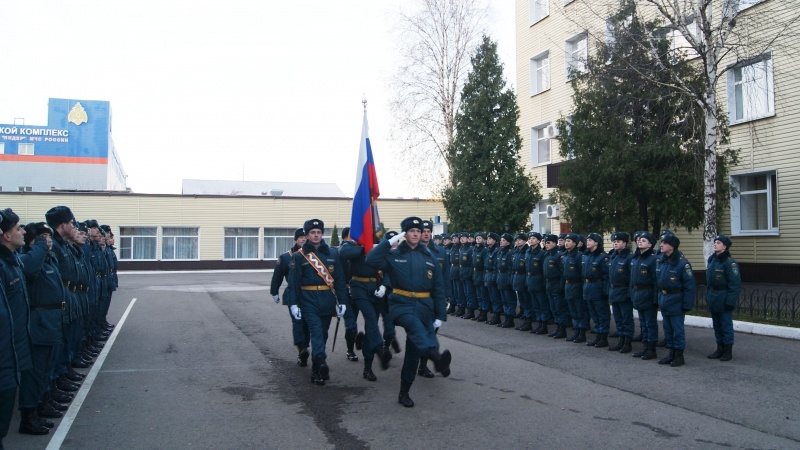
[(364, 221)]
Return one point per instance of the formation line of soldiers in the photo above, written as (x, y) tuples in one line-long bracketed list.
[(569, 280), (402, 279), (56, 281)]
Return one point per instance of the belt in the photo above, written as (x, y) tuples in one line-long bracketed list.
[(591, 280), (639, 287), (365, 280), (315, 287), (412, 294), (100, 275), (718, 288), (617, 286), (670, 291), (572, 281), (553, 278), (61, 306)]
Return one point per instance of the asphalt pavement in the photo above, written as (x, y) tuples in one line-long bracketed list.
[(205, 360)]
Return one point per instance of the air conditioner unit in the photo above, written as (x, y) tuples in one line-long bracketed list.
[(551, 131), (552, 211)]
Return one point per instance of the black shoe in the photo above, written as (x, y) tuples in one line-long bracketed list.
[(618, 346), (73, 376), (29, 424), (404, 399), (650, 353), (481, 317), (603, 341), (581, 336), (57, 406), (360, 340), (396, 346), (626, 346), (727, 352), (44, 422), (79, 364), (60, 396), (324, 372), (423, 370), (542, 330), (508, 323), (717, 353), (451, 308), (526, 325), (678, 361), (385, 356), (73, 373), (66, 386), (594, 341), (667, 359), (351, 356), (369, 375), (575, 333), (495, 320), (637, 338), (47, 411), (441, 362), (459, 311), (561, 332), (302, 357), (639, 353), (315, 377), (469, 313)]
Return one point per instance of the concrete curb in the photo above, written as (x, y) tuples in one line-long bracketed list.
[(745, 327)]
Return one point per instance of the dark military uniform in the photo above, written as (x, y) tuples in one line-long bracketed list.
[(299, 327), (554, 286), (465, 275), (594, 270), (518, 278), (505, 261), (619, 279), (9, 373), (490, 280), (645, 297), (478, 270), (723, 283), (534, 266), (676, 287), (573, 290), (455, 276)]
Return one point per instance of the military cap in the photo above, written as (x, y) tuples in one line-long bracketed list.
[(507, 237), (469, 235), (595, 237), (427, 225), (637, 235), (550, 238), (574, 237), (671, 239), (390, 234), (106, 229), (34, 229), (81, 226), (493, 235), (10, 219), (563, 235), (91, 223), (57, 215), (535, 234), (726, 241), (480, 234), (649, 236), (313, 224), (411, 222), (522, 236), (620, 236), (445, 236), (663, 232), (299, 233)]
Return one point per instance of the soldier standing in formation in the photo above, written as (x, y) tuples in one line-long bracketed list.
[(619, 279), (644, 293), (281, 272), (490, 278), (675, 298), (723, 283)]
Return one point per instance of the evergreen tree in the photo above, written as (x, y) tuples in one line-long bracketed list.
[(334, 237), (489, 189), (634, 146)]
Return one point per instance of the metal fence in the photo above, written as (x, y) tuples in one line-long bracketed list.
[(762, 304)]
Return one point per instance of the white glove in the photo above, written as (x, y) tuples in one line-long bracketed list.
[(380, 292), (397, 238), (277, 298), (295, 310), (340, 309), (436, 324)]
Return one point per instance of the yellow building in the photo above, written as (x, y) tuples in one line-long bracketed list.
[(759, 94), (190, 232)]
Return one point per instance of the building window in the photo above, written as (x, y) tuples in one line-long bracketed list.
[(540, 153), (137, 243), (539, 9), (180, 243), (680, 47), (24, 149), (2, 148), (751, 91), (540, 73), (576, 54), (277, 241), (541, 223), (755, 209), (241, 243), (25, 188), (741, 5)]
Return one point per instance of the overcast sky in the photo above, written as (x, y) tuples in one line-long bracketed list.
[(220, 90)]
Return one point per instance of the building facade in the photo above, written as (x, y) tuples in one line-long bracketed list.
[(193, 232), (74, 151), (760, 95)]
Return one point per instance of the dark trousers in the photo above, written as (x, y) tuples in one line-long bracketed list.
[(370, 309), (420, 338), (623, 317), (388, 325), (723, 327), (525, 303), (674, 333), (540, 305), (469, 294), (509, 301), (495, 298), (7, 397), (299, 330), (648, 321), (317, 328), (32, 382), (579, 312), (600, 313), (558, 306)]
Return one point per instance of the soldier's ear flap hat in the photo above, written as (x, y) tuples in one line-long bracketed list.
[(410, 223), (648, 236), (620, 236), (522, 236), (671, 239), (572, 237), (390, 234), (313, 224), (10, 219), (535, 234), (595, 237), (427, 225), (493, 235), (480, 234), (726, 241), (57, 215), (563, 235), (507, 237), (32, 230), (551, 238), (299, 233)]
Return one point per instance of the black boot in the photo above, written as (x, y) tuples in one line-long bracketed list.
[(575, 333), (717, 353), (302, 355), (59, 395), (543, 328), (28, 423), (459, 311), (441, 361), (603, 341), (481, 317), (638, 338), (526, 325), (451, 308), (350, 340), (469, 314), (403, 398), (727, 352), (639, 353), (561, 332), (495, 319), (368, 374), (423, 370), (315, 377), (324, 372), (594, 341), (650, 353), (47, 411), (508, 322), (626, 346), (581, 336), (677, 361), (618, 346), (667, 359), (360, 340), (385, 356)]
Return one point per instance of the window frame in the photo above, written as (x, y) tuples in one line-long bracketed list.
[(275, 238), (538, 10), (539, 216), (26, 145), (535, 148), (748, 4), (540, 70), (226, 236), (676, 36), (571, 47), (772, 204), (732, 84), (174, 238), (123, 238)]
